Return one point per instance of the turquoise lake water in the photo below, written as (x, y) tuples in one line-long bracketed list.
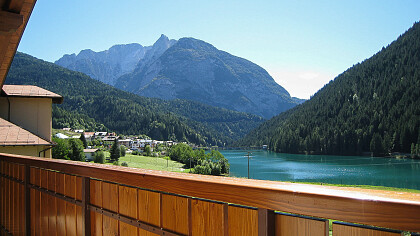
[(390, 172)]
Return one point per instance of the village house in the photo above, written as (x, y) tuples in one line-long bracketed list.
[(26, 120), (100, 135), (89, 136), (89, 154), (125, 142)]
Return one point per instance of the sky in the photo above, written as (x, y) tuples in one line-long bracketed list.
[(302, 44)]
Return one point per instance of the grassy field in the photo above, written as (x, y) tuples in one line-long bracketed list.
[(153, 163), (68, 133)]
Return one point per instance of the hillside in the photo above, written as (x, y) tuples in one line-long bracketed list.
[(372, 107), (95, 104)]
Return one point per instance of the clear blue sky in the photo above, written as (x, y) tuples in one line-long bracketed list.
[(302, 44)]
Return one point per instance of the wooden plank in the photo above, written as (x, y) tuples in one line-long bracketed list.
[(343, 229), (7, 201), (13, 203), (34, 204), (44, 209), (9, 21), (207, 218), (242, 221), (110, 202), (148, 209), (175, 213), (266, 222), (2, 195), (226, 219), (127, 206), (16, 171), (96, 200), (12, 195), (287, 224), (80, 215), (380, 208), (16, 5), (38, 202), (70, 191), (16, 210), (26, 216), (52, 204), (22, 213), (2, 192), (61, 205)]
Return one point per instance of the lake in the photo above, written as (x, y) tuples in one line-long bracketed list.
[(363, 170)]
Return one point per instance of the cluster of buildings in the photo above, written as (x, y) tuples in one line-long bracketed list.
[(107, 138)]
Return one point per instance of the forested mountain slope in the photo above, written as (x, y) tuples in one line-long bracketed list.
[(373, 106), (95, 104)]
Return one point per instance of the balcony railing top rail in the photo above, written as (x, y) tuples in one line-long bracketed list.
[(387, 209)]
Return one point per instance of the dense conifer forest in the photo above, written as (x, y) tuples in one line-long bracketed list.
[(373, 107), (92, 105)]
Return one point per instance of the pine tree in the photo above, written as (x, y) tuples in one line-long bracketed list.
[(83, 139), (115, 151), (76, 150)]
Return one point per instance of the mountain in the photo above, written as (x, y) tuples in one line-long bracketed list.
[(372, 107), (195, 70), (158, 48), (185, 69), (106, 66), (91, 104)]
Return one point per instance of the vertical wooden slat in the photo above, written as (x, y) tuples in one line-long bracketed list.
[(19, 206), (52, 216), (7, 198), (207, 218), (226, 219), (27, 206), (110, 202), (79, 210), (127, 206), (266, 222), (61, 204), (344, 229), (16, 197), (85, 202), (1, 196), (34, 202), (96, 200), (175, 213), (44, 209), (13, 200), (70, 191), (148, 209), (242, 221), (287, 224), (38, 202)]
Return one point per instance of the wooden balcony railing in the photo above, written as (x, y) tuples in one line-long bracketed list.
[(58, 197)]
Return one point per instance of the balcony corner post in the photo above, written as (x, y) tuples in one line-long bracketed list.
[(266, 222)]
